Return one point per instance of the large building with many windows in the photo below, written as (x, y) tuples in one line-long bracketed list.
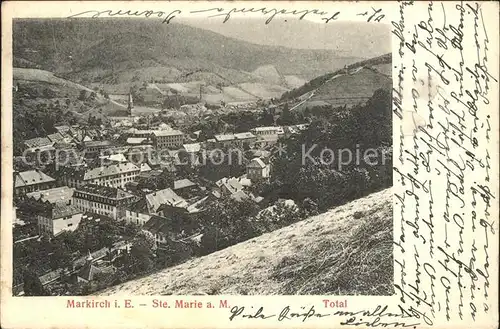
[(168, 139), (113, 175), (54, 210), (32, 180), (103, 200)]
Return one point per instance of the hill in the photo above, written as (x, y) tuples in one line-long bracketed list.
[(42, 100), (355, 87), (115, 54), (354, 83), (40, 86), (345, 251)]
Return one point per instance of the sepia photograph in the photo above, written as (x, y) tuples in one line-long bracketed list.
[(200, 158)]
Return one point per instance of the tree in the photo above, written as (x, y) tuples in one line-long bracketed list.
[(232, 221), (83, 95), (32, 284), (141, 252)]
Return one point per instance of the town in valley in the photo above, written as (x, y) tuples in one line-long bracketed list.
[(135, 153)]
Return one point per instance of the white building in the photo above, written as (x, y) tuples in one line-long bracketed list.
[(57, 218), (168, 139), (103, 200), (257, 169), (272, 130), (113, 175), (55, 211)]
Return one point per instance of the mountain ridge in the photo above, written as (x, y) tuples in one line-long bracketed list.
[(54, 41)]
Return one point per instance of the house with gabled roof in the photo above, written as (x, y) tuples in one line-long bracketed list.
[(167, 196), (257, 169), (55, 211), (32, 180)]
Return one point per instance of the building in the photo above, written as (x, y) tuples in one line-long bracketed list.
[(264, 141), (168, 139), (141, 211), (113, 175), (295, 129), (140, 133), (93, 147), (137, 213), (192, 148), (68, 157), (224, 140), (113, 158), (103, 200), (161, 228), (60, 138), (174, 225), (190, 154), (92, 269), (167, 196), (138, 141), (58, 217), (246, 138), (39, 150), (261, 131), (54, 210), (229, 187), (53, 195), (38, 143), (185, 187), (257, 169), (32, 180)]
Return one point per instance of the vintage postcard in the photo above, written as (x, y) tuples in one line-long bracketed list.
[(249, 164)]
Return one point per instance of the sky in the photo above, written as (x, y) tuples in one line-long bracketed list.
[(348, 38)]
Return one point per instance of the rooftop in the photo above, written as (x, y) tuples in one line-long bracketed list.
[(31, 177), (88, 271), (104, 191), (97, 143), (109, 170), (166, 196), (182, 183), (136, 140), (118, 157), (62, 210), (192, 148), (224, 137), (233, 184), (162, 133), (57, 137), (245, 135), (38, 142), (158, 224), (270, 128), (256, 163), (53, 195)]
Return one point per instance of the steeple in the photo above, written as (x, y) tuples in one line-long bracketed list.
[(130, 103)]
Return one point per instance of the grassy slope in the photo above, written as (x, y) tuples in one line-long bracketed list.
[(34, 81), (379, 64), (345, 251), (360, 84)]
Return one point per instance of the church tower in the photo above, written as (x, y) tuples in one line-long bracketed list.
[(130, 103)]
